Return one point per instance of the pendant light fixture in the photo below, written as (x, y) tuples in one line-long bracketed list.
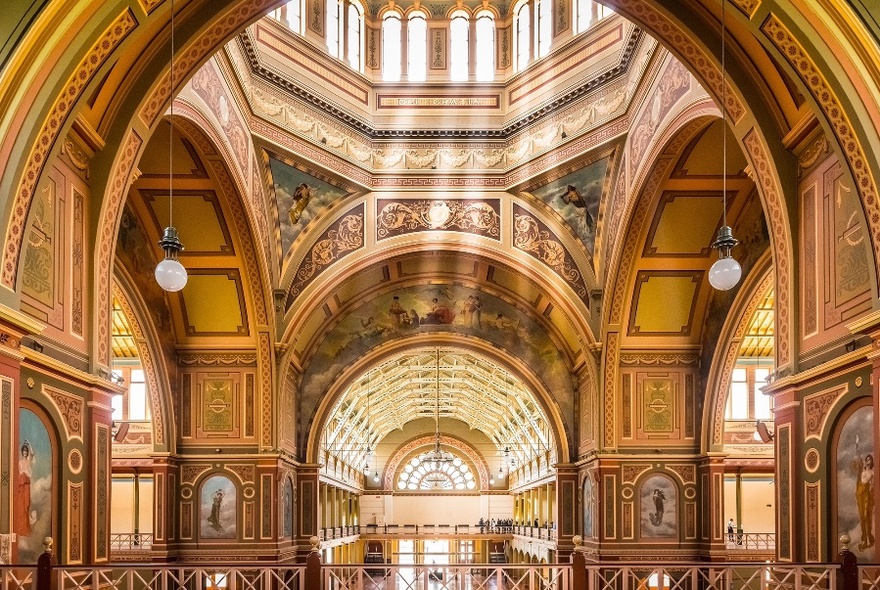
[(726, 272), (437, 455), (170, 274), (369, 452)]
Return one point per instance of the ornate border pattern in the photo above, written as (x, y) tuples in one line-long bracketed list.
[(705, 64), (780, 239), (338, 241), (817, 406), (111, 214), (70, 408), (94, 59), (827, 100), (536, 239), (192, 57), (147, 361), (403, 216)]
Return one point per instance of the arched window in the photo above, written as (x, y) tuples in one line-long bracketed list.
[(333, 20), (545, 26), (523, 35), (289, 14), (459, 49), (485, 46), (355, 27), (588, 13), (417, 47), (391, 47), (422, 474)]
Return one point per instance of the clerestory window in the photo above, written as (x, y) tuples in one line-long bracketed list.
[(459, 48), (485, 46), (417, 47)]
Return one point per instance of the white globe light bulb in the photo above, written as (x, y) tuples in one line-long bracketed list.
[(171, 275), (725, 274)]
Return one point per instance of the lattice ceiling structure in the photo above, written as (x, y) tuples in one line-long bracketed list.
[(758, 341), (405, 388)]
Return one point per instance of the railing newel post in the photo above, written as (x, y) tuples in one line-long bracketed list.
[(45, 575), (578, 566), (849, 566), (313, 579)]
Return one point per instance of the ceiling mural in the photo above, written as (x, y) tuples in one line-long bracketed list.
[(436, 308), (576, 198), (299, 198)]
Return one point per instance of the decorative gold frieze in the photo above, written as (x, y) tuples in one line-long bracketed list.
[(403, 216), (346, 236), (534, 237)]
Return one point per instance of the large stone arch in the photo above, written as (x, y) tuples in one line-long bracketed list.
[(158, 371), (727, 351)]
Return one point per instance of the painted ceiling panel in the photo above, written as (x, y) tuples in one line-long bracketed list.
[(154, 162), (212, 303), (685, 225), (438, 309), (197, 217), (664, 303), (576, 198), (365, 281), (696, 163), (299, 198)]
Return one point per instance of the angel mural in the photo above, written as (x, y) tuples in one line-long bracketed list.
[(301, 197), (855, 481), (32, 501), (659, 516), (24, 516)]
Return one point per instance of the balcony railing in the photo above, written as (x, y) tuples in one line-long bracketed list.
[(131, 541), (576, 576), (751, 542), (439, 529)]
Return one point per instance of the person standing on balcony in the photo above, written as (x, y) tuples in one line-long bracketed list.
[(730, 530)]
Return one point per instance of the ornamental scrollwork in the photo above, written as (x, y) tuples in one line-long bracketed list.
[(529, 236), (402, 216), (347, 236)]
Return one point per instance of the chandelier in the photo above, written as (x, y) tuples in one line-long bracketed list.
[(437, 456)]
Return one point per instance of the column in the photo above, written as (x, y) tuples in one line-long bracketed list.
[(566, 509), (307, 505), (713, 527)]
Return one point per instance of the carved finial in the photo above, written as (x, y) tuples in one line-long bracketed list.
[(844, 542), (315, 541), (577, 540), (47, 545)]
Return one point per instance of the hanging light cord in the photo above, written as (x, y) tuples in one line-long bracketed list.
[(723, 114), (171, 130)]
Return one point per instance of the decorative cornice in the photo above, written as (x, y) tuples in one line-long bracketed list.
[(247, 44), (658, 359), (192, 359)]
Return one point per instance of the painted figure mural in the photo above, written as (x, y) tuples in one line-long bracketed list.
[(855, 482), (32, 506), (288, 508), (659, 514), (588, 508), (219, 509), (576, 198)]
